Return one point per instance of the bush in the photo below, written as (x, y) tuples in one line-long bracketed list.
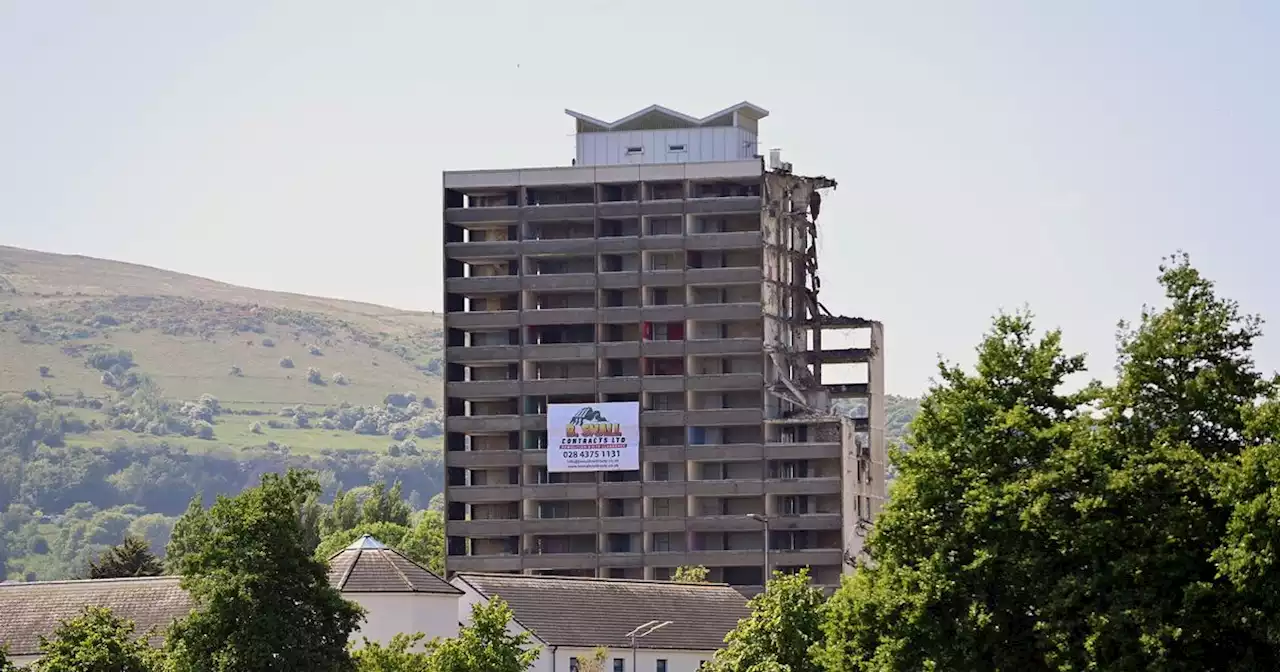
[(44, 372), (256, 428), (339, 379), (314, 376), (286, 362), (268, 343), (315, 351), (116, 361), (204, 430), (235, 371), (33, 395), (275, 424)]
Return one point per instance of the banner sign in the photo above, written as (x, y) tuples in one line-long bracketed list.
[(602, 436)]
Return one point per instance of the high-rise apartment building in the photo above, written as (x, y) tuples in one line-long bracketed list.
[(671, 267)]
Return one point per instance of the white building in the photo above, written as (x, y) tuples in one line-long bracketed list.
[(569, 617), (398, 594)]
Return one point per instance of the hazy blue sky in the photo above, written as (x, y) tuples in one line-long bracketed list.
[(990, 154)]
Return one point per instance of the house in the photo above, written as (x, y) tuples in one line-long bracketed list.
[(569, 617), (398, 595)]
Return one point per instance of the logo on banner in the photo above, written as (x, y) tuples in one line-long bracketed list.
[(589, 422)]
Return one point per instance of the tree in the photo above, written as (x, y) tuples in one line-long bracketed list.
[(398, 655), (1123, 528), (286, 362), (485, 645), (690, 574), (785, 622), (258, 591), (94, 641), (6, 665), (132, 557), (595, 662), (314, 376), (425, 541)]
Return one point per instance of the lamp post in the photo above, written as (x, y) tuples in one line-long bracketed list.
[(765, 521), (643, 630)]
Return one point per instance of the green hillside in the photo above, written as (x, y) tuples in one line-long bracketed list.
[(125, 391)]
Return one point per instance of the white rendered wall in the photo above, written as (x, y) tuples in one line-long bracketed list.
[(393, 613), (717, 143)]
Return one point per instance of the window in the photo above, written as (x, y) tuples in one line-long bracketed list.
[(661, 542), (660, 472), (660, 296), (675, 148), (661, 508), (619, 665), (573, 664), (661, 666), (635, 150)]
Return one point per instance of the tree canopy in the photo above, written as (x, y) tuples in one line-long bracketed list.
[(785, 623), (94, 641), (130, 558), (485, 645), (263, 601), (690, 574)]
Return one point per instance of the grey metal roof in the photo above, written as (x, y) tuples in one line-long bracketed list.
[(369, 566), (29, 610), (571, 611)]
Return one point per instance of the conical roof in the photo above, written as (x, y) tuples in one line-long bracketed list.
[(370, 566)]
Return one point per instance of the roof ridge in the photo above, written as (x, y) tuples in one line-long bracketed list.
[(603, 579), (120, 579), (350, 568), (403, 577)]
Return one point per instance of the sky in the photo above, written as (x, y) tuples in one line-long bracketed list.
[(991, 155)]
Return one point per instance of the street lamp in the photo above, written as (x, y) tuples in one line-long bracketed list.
[(643, 631), (765, 521)]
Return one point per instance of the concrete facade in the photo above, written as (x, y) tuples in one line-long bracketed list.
[(692, 289)]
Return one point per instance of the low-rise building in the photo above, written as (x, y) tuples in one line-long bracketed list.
[(568, 617)]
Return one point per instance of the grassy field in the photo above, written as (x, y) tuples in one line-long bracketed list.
[(187, 333)]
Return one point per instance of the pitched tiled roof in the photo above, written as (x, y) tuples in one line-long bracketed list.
[(570, 611), (29, 610), (367, 566)]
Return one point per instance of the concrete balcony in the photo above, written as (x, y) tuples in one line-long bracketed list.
[(619, 279), (665, 524), (559, 525), (482, 494), (533, 422), (802, 451), (827, 485), (482, 459), (812, 557), (619, 209), (559, 351), (482, 353), (623, 490), (483, 284), (805, 521), (500, 214), (723, 276), (559, 560), (661, 454), (666, 207), (622, 525), (662, 419), (483, 389), (726, 381), (724, 416), (715, 205), (725, 241), (663, 313), (559, 246), (663, 278), (543, 213), (754, 556), (482, 563), (726, 524), (632, 559), (723, 346), (618, 244), (478, 424), (559, 316), (619, 385), (731, 451), (556, 491), (490, 249), (619, 349), (496, 319), (841, 356), (665, 489), (483, 528), (620, 314), (726, 487), (662, 348), (669, 243), (559, 281), (726, 311), (536, 458), (663, 383), (559, 386)]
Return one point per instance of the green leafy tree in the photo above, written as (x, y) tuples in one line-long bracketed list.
[(425, 541), (386, 506), (6, 665), (401, 654), (485, 645), (132, 557), (1121, 529), (95, 641), (785, 622), (388, 533), (596, 662), (690, 574), (263, 602)]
